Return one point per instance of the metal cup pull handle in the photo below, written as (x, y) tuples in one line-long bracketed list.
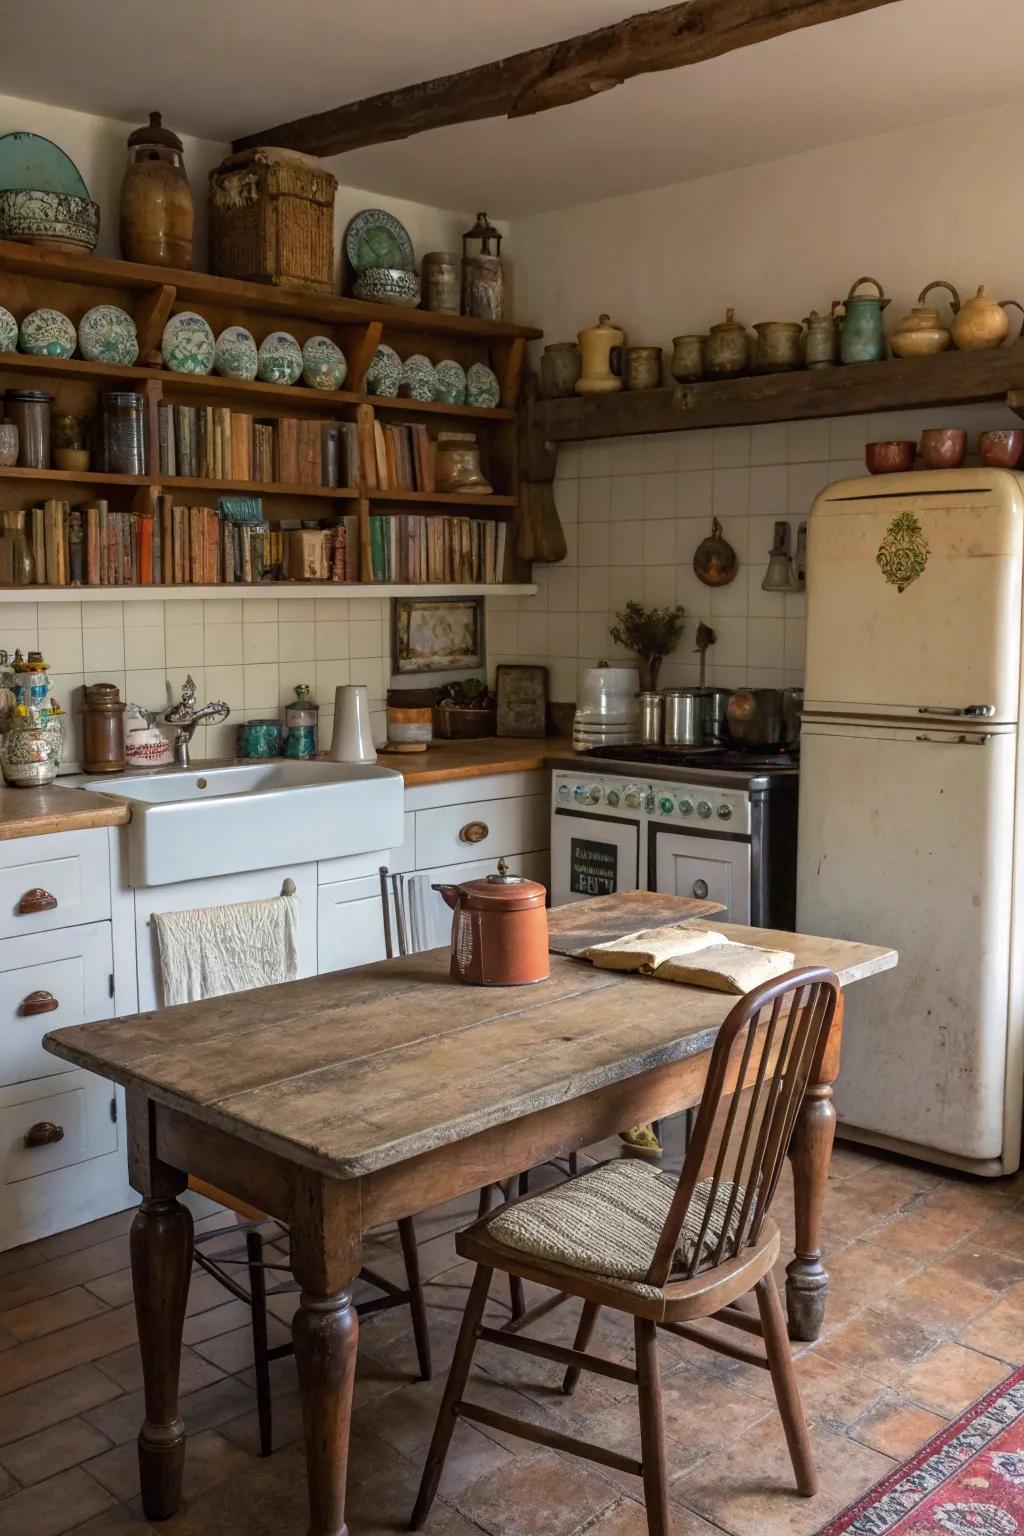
[(44, 1134), (36, 900), (474, 832), (700, 889), (38, 1002)]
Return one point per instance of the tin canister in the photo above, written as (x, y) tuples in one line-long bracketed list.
[(442, 278), (258, 738), (682, 717), (651, 705)]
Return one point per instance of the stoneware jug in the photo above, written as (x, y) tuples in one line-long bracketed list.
[(821, 339), (982, 322), (863, 335), (921, 333), (601, 351), (499, 930)]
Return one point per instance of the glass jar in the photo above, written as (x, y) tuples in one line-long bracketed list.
[(31, 680), (122, 443), (69, 440), (29, 409), (103, 729), (301, 724)]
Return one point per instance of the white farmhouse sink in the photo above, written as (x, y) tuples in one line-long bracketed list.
[(221, 819)]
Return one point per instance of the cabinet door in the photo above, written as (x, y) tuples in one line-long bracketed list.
[(712, 869), (350, 924), (53, 882), (49, 981)]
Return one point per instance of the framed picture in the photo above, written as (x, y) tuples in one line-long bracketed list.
[(522, 700), (438, 635)]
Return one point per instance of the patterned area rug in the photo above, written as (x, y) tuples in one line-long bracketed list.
[(967, 1481)]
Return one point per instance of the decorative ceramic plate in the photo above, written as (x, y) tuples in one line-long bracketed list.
[(8, 332), (375, 238), (323, 364), (279, 358), (47, 333), (388, 285), (29, 162), (418, 381), (235, 356), (384, 374), (450, 383), (187, 344), (106, 334), (482, 388)]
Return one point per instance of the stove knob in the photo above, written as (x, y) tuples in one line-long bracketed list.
[(725, 811), (564, 792), (686, 807), (593, 795), (612, 797), (633, 798), (703, 809), (580, 793), (666, 805)]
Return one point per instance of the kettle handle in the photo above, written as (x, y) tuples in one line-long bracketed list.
[(883, 301), (941, 283), (450, 894), (1012, 304)]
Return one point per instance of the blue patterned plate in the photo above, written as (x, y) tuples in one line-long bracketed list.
[(418, 381), (375, 238), (450, 382), (47, 333), (106, 334), (187, 344), (323, 363), (8, 332)]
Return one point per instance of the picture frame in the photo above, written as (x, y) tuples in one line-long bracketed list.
[(437, 635)]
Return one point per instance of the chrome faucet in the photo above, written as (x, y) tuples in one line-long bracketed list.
[(186, 717)]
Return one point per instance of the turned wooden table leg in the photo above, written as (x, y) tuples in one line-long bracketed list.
[(161, 1254), (811, 1154), (325, 1333)]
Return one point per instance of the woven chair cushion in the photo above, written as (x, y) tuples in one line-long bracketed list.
[(608, 1222)]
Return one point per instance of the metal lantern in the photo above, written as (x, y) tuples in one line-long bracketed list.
[(482, 278)]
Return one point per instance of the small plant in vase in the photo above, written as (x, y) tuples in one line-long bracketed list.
[(651, 634)]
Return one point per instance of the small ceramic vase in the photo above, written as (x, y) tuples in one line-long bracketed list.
[(47, 333), (943, 447), (641, 368), (921, 333), (458, 464), (688, 358), (601, 351), (890, 458), (821, 339), (279, 358), (384, 373), (981, 322), (863, 335), (727, 349), (156, 202), (560, 367), (323, 363), (8, 444), (778, 346), (235, 354)]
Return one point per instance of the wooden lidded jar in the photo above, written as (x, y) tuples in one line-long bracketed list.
[(156, 201), (103, 729)]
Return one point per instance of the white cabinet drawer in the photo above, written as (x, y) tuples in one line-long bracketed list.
[(350, 925), (50, 981), (70, 1121), (71, 870), (481, 829)]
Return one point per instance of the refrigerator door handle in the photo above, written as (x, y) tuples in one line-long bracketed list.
[(968, 712), (956, 741)]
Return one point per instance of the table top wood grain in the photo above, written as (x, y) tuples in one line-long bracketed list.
[(357, 1070)]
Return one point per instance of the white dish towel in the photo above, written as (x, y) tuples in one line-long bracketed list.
[(211, 951)]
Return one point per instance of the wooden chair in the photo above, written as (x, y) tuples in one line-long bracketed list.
[(668, 1252)]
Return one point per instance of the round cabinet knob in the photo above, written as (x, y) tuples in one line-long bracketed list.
[(474, 832), (700, 889), (666, 805), (612, 797), (633, 799), (703, 809), (686, 807), (725, 811)]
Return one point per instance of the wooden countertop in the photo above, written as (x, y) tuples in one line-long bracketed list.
[(470, 759), (53, 808)]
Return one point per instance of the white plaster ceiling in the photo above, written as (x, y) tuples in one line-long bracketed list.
[(221, 68)]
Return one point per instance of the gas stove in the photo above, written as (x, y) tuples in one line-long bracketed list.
[(697, 757)]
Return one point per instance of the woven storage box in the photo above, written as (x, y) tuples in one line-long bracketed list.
[(272, 219)]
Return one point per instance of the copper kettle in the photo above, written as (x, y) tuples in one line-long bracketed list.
[(499, 930)]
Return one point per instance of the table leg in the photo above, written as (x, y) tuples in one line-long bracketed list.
[(161, 1252), (811, 1153)]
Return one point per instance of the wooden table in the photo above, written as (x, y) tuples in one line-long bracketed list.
[(348, 1100)]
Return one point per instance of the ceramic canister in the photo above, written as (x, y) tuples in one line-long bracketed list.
[(440, 276), (727, 350), (258, 738), (688, 358), (778, 346), (560, 367), (642, 367)]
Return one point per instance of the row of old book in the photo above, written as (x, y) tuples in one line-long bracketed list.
[(214, 443), (408, 547)]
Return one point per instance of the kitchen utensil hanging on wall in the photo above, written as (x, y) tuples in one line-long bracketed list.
[(714, 559)]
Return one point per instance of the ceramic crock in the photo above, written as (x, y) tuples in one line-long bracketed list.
[(560, 367), (921, 333), (982, 322), (778, 346), (499, 930), (821, 338), (688, 358), (727, 349), (863, 334), (642, 368), (601, 351)]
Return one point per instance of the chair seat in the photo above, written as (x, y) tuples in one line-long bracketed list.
[(607, 1223)]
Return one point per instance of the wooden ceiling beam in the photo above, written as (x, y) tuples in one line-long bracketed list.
[(557, 74)]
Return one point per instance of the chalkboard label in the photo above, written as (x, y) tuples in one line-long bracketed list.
[(593, 867)]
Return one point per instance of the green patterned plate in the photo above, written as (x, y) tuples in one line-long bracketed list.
[(384, 374), (187, 344), (375, 238), (450, 382), (482, 387)]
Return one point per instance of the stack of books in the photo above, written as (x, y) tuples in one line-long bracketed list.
[(407, 547), (402, 459), (214, 443)]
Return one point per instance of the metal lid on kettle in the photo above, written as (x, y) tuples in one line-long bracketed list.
[(503, 891)]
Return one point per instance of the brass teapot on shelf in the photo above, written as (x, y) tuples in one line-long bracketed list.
[(921, 333), (981, 322)]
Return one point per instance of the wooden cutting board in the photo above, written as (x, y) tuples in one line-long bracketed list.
[(579, 925)]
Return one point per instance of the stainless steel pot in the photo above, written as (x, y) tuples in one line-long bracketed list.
[(755, 717), (650, 719), (682, 717), (714, 703)]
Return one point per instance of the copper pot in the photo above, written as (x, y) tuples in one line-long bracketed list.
[(499, 930)]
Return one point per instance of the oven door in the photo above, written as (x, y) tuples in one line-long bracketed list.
[(712, 868), (592, 855)]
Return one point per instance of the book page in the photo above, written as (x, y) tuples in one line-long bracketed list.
[(651, 947), (726, 967)]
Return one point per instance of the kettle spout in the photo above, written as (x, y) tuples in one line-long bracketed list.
[(448, 893)]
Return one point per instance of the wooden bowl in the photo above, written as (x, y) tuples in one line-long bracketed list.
[(1002, 449), (890, 458), (944, 447)]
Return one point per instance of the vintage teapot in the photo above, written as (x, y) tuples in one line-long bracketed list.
[(499, 930), (921, 334), (982, 322), (601, 350), (862, 339)]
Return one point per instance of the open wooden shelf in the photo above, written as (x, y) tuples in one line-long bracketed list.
[(286, 591), (72, 476), (444, 499), (169, 484), (951, 378)]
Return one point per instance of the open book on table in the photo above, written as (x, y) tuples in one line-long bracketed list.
[(698, 957)]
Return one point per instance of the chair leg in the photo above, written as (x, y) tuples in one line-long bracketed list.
[(584, 1330), (574, 1164), (652, 1428), (258, 1306), (485, 1202), (417, 1305), (517, 1296), (458, 1375), (787, 1392), (523, 1184)]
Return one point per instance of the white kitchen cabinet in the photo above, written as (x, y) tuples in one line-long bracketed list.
[(50, 981), (53, 881)]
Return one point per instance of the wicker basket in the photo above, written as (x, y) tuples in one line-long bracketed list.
[(272, 219)]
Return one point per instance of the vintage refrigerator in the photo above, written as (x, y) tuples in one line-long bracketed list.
[(910, 802)]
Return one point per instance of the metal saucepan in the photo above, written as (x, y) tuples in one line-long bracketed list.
[(755, 717)]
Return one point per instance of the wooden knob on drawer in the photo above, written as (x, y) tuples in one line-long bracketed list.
[(36, 900), (43, 1134), (474, 832), (38, 1002)]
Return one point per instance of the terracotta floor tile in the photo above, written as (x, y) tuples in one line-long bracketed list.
[(897, 1428), (831, 1394), (848, 1160), (47, 1279), (7, 1484), (382, 1506), (286, 1424), (77, 1345), (882, 1345), (561, 1493), (210, 1459), (982, 1266), (232, 1352), (1000, 1330), (52, 1450), (37, 1318), (63, 1243), (950, 1378), (45, 1509), (1004, 1232), (861, 1273), (216, 1321), (48, 1402), (206, 1408), (933, 1301), (125, 1367), (629, 1518), (747, 1489), (117, 1522)]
